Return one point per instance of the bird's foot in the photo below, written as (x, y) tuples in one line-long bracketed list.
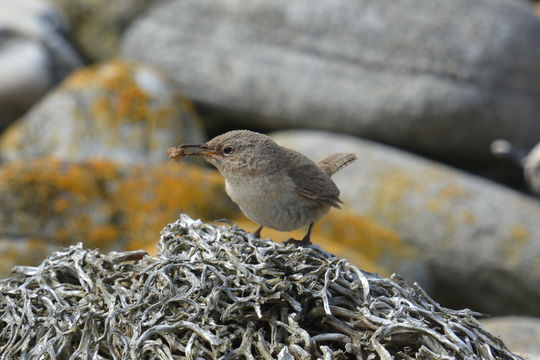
[(257, 232), (300, 243)]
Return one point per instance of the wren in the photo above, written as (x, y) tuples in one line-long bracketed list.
[(274, 186)]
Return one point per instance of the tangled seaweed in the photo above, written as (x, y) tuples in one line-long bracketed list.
[(216, 292)]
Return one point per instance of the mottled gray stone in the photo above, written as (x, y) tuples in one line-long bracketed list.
[(531, 167), (98, 24), (441, 77), (34, 55), (520, 333), (481, 241), (126, 112)]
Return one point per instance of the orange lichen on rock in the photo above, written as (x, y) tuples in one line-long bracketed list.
[(103, 204), (520, 233), (106, 205), (120, 98), (393, 188), (116, 110), (514, 244), (347, 234), (468, 218), (374, 240)]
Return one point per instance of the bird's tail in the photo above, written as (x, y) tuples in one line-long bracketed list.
[(335, 162)]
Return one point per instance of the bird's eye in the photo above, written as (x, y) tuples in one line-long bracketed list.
[(227, 150)]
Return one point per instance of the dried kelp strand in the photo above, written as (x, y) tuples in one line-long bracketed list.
[(217, 292)]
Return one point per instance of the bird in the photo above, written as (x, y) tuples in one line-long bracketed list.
[(274, 186)]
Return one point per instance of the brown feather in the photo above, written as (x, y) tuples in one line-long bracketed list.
[(311, 182), (335, 162)]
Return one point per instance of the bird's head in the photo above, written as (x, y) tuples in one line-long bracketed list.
[(236, 152)]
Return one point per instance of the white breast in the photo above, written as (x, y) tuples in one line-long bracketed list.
[(273, 202)]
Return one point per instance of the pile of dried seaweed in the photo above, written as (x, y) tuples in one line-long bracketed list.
[(216, 292)]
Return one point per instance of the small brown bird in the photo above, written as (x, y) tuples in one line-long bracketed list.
[(274, 186)]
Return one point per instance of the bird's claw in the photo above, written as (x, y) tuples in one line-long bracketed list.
[(299, 243), (257, 233)]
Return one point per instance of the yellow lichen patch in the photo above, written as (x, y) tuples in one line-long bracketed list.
[(468, 218), (445, 196), (355, 256), (332, 245), (513, 245), (116, 110), (120, 98), (11, 139), (106, 205), (103, 204), (173, 188), (104, 234), (60, 205), (392, 189), (450, 192), (361, 234), (347, 234), (433, 205), (62, 235), (520, 233), (35, 191)]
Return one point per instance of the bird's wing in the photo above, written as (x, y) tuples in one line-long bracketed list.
[(311, 182)]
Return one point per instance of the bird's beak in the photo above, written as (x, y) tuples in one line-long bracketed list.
[(178, 152)]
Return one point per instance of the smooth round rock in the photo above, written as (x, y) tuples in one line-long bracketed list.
[(480, 241), (444, 78), (34, 55), (99, 24), (46, 204), (520, 333), (117, 110)]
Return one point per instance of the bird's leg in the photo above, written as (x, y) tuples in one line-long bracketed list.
[(257, 232), (306, 240)]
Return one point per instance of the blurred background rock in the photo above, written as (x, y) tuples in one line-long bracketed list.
[(419, 89), (35, 54)]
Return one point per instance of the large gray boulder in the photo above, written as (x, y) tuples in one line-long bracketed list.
[(46, 204), (436, 76), (480, 240), (98, 24), (34, 54), (117, 110), (519, 333)]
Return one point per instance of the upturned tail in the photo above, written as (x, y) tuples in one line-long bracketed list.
[(335, 162)]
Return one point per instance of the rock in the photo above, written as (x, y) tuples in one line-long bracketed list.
[(480, 241), (26, 250), (34, 55), (107, 205), (531, 167), (526, 161), (446, 86), (363, 242), (99, 24), (117, 110), (519, 333), (47, 203), (217, 292)]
